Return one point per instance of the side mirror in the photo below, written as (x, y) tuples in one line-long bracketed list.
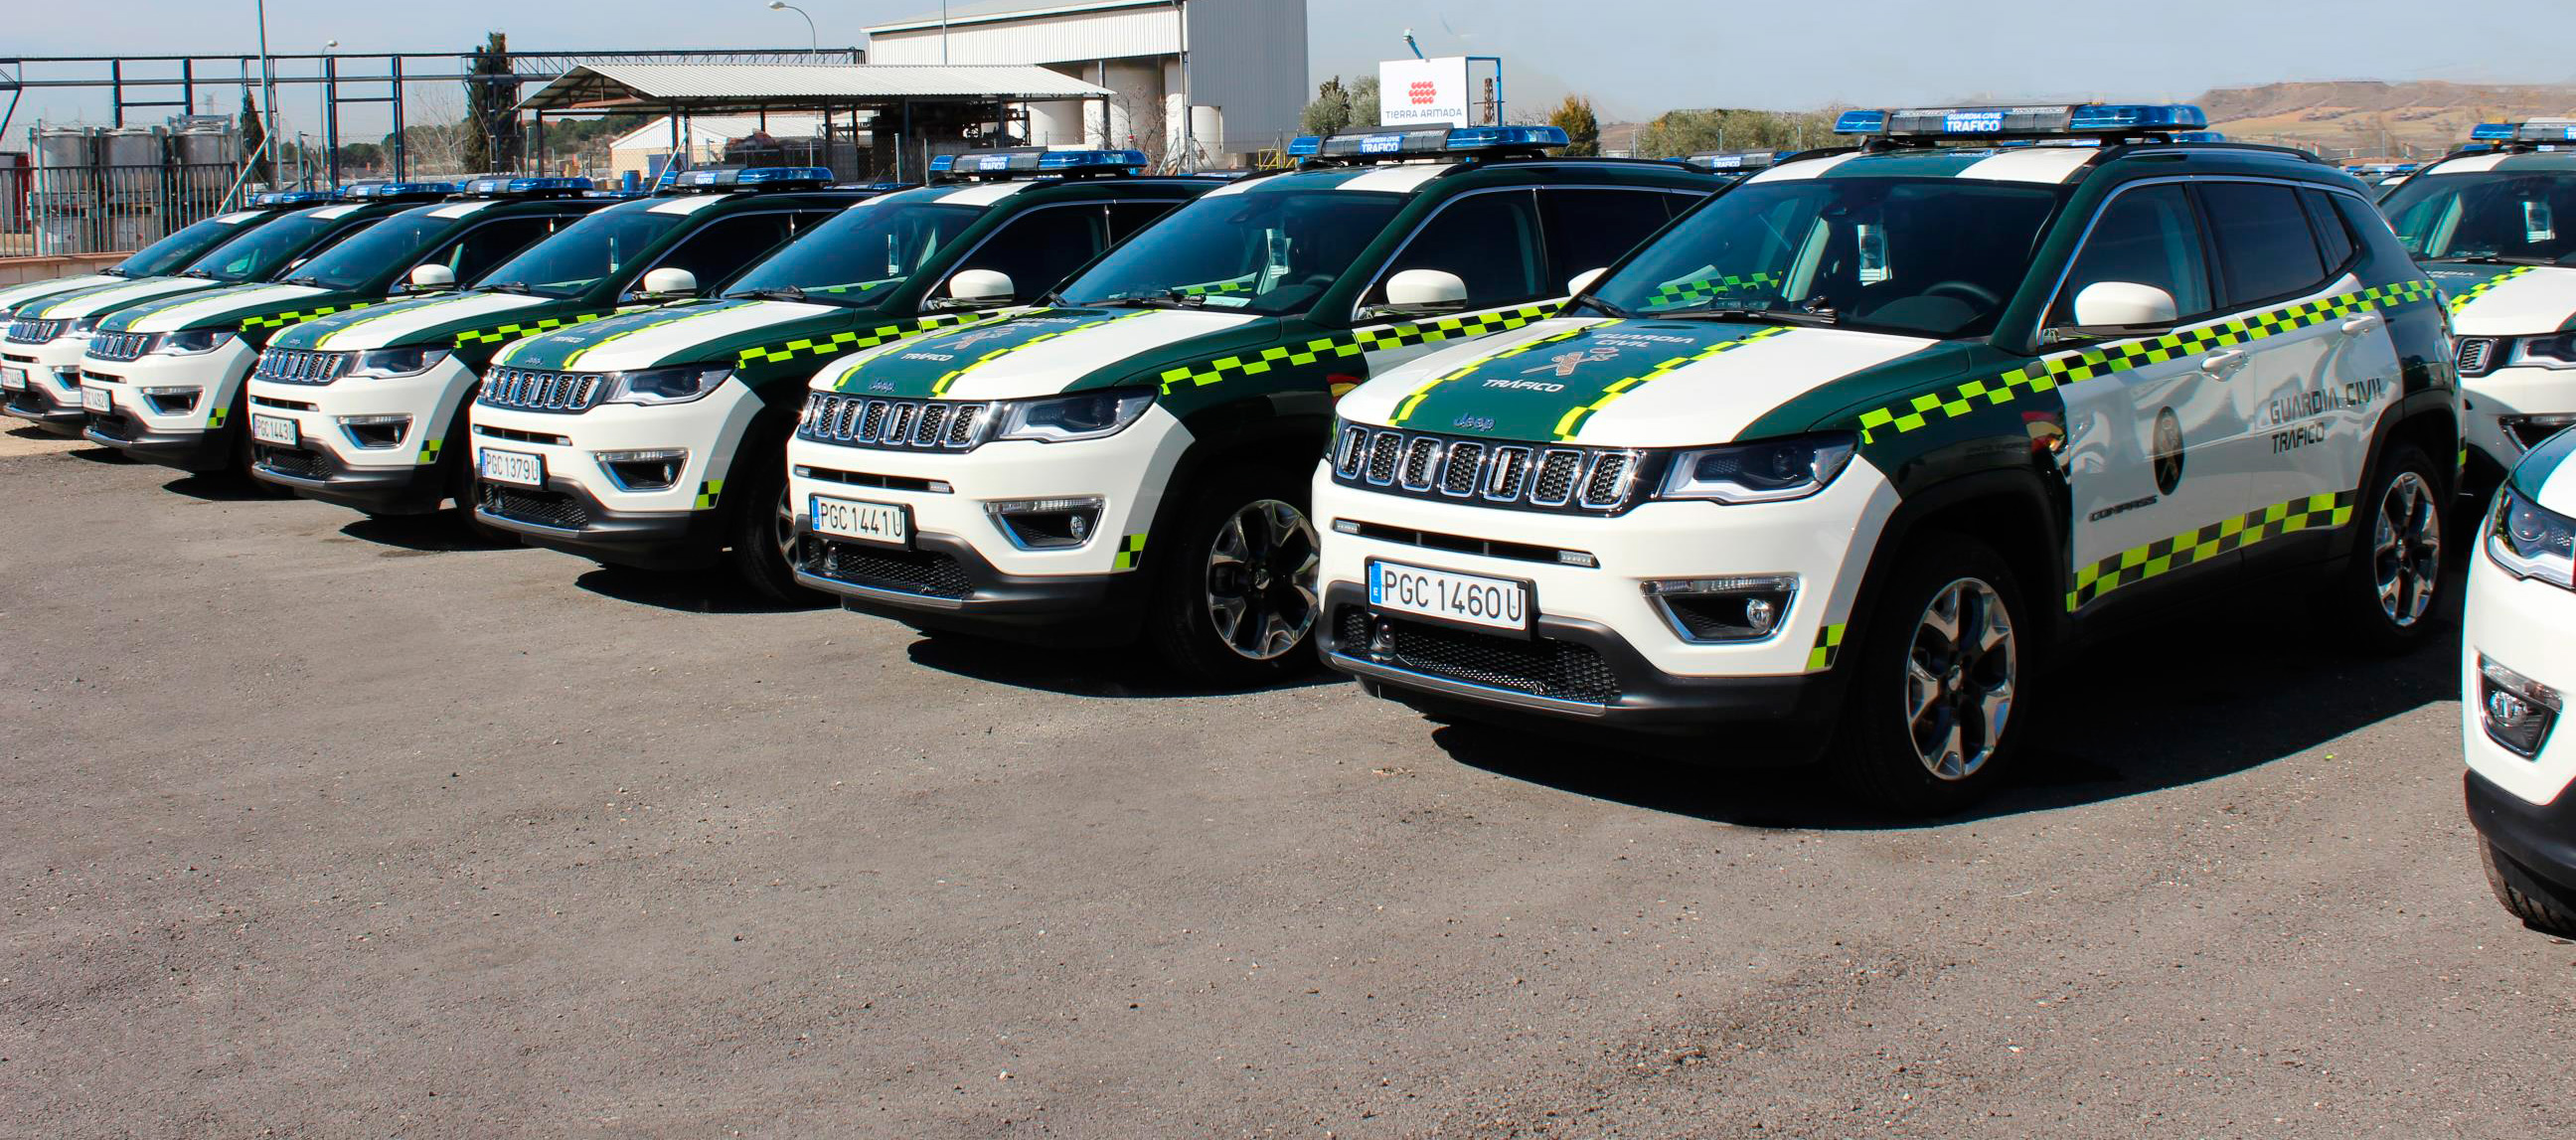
[(1426, 291), (978, 289), (428, 278), (670, 281), (2123, 304), (1583, 281)]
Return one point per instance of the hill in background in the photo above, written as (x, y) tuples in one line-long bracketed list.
[(2343, 120)]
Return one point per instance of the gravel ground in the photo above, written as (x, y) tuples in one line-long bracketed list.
[(324, 826)]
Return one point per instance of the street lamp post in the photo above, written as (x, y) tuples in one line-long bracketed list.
[(330, 136), (812, 41), (268, 94)]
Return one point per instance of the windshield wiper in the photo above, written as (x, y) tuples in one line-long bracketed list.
[(2496, 259), (1158, 299), (519, 287), (1821, 319), (771, 293), (315, 282), (206, 274)]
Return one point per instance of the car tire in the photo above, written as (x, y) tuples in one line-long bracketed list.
[(464, 487), (2540, 905), (1935, 716), (1233, 601), (2384, 597), (238, 473), (760, 538)]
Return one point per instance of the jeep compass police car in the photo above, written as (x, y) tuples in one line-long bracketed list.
[(1854, 444), (40, 363), (1130, 459), (163, 381), (2485, 227), (654, 439), (2517, 661), (366, 407)]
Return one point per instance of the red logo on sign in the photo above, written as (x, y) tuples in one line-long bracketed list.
[(1424, 93)]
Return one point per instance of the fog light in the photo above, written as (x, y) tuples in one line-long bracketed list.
[(1741, 608), (643, 470), (2516, 711), (374, 433), (1047, 524), (171, 401), (1345, 526)]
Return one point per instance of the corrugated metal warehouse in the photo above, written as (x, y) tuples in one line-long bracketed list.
[(1242, 63)]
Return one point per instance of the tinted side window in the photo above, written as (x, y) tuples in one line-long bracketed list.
[(2265, 248), (1128, 217), (2333, 239), (486, 246), (1589, 229), (2369, 227), (721, 249), (2146, 236), (1489, 240), (1039, 248)]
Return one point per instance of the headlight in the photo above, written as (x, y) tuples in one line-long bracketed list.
[(1084, 415), (390, 362), (2529, 542), (2557, 351), (677, 384), (1762, 472), (191, 342)]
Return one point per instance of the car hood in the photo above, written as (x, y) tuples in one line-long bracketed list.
[(1620, 382), (2547, 475), (116, 295), (27, 291), (2506, 300), (411, 319), (1040, 353), (685, 333), (230, 305)]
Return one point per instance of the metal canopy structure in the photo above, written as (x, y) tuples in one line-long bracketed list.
[(894, 95)]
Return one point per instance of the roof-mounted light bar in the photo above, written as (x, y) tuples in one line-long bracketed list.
[(1023, 161), (525, 187), (386, 191), (722, 179), (1381, 143), (293, 198), (1729, 161), (2110, 121), (2529, 131)]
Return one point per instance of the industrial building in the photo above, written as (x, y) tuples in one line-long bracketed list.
[(644, 150), (1239, 64)]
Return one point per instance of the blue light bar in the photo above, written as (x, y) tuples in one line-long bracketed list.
[(1729, 160), (523, 187), (1305, 146), (1489, 138), (292, 197), (378, 191), (2536, 130), (2025, 122), (784, 176), (1092, 160), (942, 164), (2492, 132)]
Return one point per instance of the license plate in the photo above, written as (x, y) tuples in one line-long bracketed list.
[(13, 379), (97, 399), (512, 467), (1472, 599), (866, 522), (278, 430)]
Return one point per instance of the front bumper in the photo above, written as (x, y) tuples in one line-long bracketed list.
[(51, 399), (194, 429), (582, 509), (411, 474), (2541, 837), (2506, 394), (2527, 626)]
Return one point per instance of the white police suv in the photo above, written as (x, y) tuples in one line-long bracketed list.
[(2517, 662), (1843, 453)]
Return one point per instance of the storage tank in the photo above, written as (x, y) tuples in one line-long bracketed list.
[(205, 150), (133, 163), (65, 204)]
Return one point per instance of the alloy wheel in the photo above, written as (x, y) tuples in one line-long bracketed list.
[(1261, 580), (1960, 674), (2406, 550)]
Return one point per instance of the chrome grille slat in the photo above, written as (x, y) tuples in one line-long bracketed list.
[(1422, 464), (119, 346), (912, 425), (536, 390), (32, 331), (301, 366), (2474, 355)]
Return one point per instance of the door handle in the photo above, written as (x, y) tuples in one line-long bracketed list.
[(2219, 364), (2361, 324)]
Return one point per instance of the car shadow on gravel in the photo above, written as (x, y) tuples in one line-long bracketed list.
[(2137, 713), (439, 532), (1120, 673), (224, 487), (105, 456), (709, 591)]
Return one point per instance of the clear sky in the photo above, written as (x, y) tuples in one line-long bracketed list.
[(1634, 57)]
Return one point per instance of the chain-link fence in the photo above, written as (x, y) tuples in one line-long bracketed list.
[(51, 211)]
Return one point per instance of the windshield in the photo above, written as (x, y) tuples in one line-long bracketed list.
[(171, 253), (1919, 256), (387, 246), (2488, 216), (1263, 251), (584, 254), (865, 249), (255, 255)]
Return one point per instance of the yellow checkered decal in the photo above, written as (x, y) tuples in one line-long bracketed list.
[(1354, 343), (500, 333), (1237, 285), (1573, 420), (940, 386), (1829, 645), (281, 320), (429, 451), (1404, 408), (215, 419), (1131, 553), (708, 493), (2093, 364), (852, 340), (2165, 555), (1679, 294), (2478, 290)]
